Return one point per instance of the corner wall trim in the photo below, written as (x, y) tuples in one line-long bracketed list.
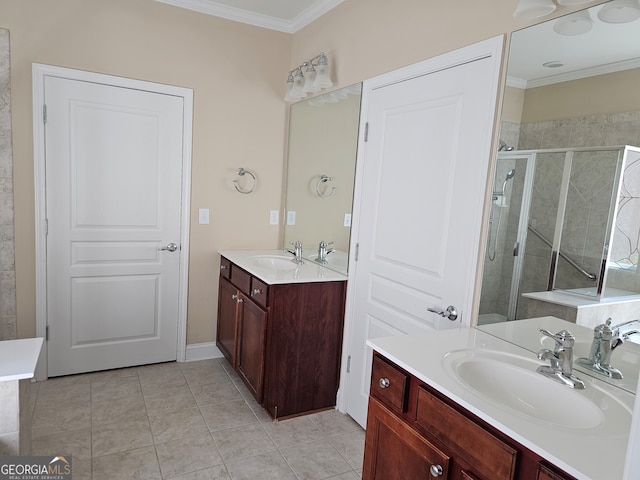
[(202, 351)]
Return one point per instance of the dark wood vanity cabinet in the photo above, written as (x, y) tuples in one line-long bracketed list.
[(284, 340), (415, 433)]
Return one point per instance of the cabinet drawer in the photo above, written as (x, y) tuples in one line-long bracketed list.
[(389, 384), (546, 473), (240, 279), (225, 268), (259, 291), (496, 458)]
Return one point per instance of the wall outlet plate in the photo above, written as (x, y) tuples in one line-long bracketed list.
[(203, 216), (291, 217), (274, 217)]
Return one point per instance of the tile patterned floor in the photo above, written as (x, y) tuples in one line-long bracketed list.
[(185, 421)]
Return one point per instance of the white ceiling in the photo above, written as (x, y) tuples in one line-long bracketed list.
[(605, 48), (283, 15)]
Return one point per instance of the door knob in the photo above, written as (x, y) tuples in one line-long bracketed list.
[(451, 312), (172, 247)]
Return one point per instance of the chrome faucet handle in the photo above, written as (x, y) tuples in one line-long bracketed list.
[(561, 359), (605, 340), (563, 339), (297, 252), (323, 252)]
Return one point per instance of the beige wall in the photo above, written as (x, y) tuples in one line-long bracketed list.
[(576, 98), (512, 104), (237, 73)]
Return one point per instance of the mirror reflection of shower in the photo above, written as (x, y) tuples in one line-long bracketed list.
[(504, 147), (499, 199)]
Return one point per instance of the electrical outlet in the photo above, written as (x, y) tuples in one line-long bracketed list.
[(291, 217), (274, 217), (347, 219), (203, 216)]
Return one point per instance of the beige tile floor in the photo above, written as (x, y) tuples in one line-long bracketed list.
[(186, 421)]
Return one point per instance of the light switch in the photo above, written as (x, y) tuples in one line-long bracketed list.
[(274, 217), (291, 217), (203, 216), (347, 219)]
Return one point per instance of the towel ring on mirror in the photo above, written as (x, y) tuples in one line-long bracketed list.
[(241, 172), (325, 179)]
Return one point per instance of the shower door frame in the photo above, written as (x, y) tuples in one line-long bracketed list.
[(523, 222)]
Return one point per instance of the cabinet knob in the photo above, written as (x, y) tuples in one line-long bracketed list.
[(236, 298), (223, 267), (436, 470), (384, 382), (256, 291)]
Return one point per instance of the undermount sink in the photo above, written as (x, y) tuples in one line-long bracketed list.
[(275, 262), (511, 382)]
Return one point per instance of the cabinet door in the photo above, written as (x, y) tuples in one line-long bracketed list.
[(394, 451), (227, 331), (252, 328)]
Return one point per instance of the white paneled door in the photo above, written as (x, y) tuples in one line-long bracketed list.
[(114, 160), (422, 179)]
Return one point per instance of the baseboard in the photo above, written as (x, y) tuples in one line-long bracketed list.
[(202, 351)]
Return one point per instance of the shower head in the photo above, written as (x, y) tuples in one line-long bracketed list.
[(510, 174), (504, 146)]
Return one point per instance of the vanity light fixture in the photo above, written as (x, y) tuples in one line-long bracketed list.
[(316, 76), (530, 9), (620, 11), (574, 24)]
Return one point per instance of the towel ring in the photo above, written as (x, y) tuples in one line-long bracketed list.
[(241, 172), (325, 179)]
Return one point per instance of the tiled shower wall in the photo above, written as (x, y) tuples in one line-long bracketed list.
[(590, 131), (8, 327)]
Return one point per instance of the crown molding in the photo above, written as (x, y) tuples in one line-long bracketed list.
[(575, 75), (216, 9)]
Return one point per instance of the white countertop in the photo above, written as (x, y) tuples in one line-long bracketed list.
[(576, 300), (18, 358), (309, 271), (595, 454)]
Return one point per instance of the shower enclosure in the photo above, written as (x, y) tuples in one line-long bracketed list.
[(557, 222)]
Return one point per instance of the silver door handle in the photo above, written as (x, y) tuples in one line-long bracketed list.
[(172, 247), (451, 312)]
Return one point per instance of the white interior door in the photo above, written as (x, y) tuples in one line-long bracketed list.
[(113, 201), (423, 178)]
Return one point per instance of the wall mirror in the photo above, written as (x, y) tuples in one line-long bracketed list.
[(564, 224), (323, 138)]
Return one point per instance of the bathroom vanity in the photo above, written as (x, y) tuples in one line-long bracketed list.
[(464, 405), (280, 326)]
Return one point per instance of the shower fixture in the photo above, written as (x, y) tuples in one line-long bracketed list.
[(504, 147), (499, 199)]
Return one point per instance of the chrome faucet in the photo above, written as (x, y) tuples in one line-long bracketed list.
[(323, 252), (297, 252), (605, 340), (561, 359)]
